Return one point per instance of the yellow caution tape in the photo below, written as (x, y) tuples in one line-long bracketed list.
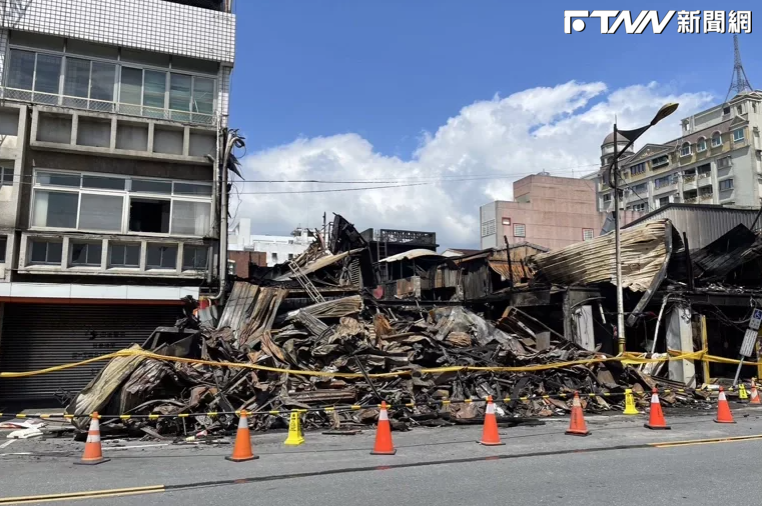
[(627, 358)]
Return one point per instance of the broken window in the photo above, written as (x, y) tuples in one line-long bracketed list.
[(149, 215), (86, 253), (195, 257), (161, 256), (124, 255), (46, 252)]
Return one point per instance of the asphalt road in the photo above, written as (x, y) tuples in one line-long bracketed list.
[(617, 464)]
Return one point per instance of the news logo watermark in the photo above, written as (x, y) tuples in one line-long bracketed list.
[(687, 21)]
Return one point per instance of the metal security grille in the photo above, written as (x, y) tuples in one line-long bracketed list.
[(37, 336)]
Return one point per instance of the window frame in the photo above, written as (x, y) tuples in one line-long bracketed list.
[(87, 244), (683, 151), (720, 184), (195, 248), (716, 137), (520, 226), (584, 233), (48, 241), (743, 135), (125, 244), (4, 170), (119, 63), (150, 267), (127, 194), (699, 143), (656, 164), (638, 168)]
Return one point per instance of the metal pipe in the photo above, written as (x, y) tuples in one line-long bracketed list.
[(223, 254)]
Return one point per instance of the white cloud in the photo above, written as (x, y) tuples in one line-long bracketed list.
[(554, 129)]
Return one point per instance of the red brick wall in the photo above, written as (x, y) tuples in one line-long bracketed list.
[(243, 259)]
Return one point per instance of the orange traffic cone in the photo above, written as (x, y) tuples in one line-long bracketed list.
[(723, 409), (93, 451), (577, 427), (656, 419), (490, 437), (242, 449), (754, 397), (384, 445)]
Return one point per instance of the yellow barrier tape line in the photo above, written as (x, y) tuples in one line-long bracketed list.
[(627, 358)]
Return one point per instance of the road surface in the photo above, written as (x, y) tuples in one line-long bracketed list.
[(619, 463)]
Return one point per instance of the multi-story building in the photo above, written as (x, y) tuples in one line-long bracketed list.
[(547, 211), (276, 248), (110, 112), (716, 160)]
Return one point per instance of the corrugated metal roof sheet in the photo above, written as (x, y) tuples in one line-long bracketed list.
[(644, 253), (410, 255)]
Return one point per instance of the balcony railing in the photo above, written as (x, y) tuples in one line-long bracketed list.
[(691, 200), (689, 179), (706, 196), (109, 107)]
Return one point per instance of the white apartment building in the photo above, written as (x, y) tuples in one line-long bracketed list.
[(716, 160), (111, 113), (277, 248)]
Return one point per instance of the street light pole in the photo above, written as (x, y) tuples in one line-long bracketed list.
[(631, 136), (618, 249)]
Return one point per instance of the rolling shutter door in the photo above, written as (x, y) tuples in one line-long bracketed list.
[(38, 336)]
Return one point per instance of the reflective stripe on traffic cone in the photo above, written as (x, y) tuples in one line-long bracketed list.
[(295, 437), (577, 426), (384, 445), (490, 437), (93, 451), (754, 398), (723, 409), (629, 403), (242, 449), (656, 419)]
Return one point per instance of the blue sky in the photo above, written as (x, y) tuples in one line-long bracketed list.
[(385, 72)]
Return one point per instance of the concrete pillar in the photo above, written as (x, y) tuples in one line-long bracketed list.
[(680, 339), (151, 125), (186, 141), (112, 137), (74, 128)]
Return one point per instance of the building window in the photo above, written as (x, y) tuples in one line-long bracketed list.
[(290, 256), (726, 184), (638, 207), (274, 257), (716, 140), (607, 197), (507, 222), (726, 110), (108, 86), (97, 203), (124, 255), (488, 228), (663, 181), (739, 109), (6, 176), (724, 162), (639, 189), (738, 135), (685, 150), (660, 161), (86, 253), (3, 247), (45, 252), (195, 257), (701, 145), (663, 201), (639, 168), (587, 234), (519, 230), (161, 256)]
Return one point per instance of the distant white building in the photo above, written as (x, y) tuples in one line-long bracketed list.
[(278, 248)]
